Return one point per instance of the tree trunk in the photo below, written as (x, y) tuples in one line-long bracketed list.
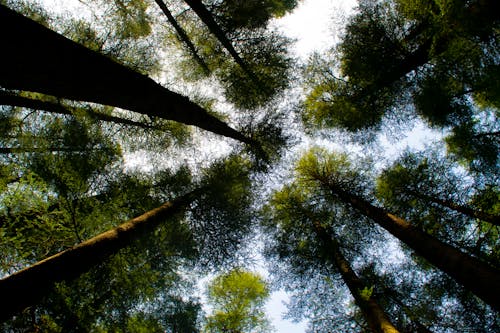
[(182, 35), (28, 286), (206, 17), (491, 218), (374, 315), (38, 59), (52, 107), (27, 150), (475, 275)]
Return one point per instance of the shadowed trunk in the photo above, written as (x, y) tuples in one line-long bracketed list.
[(374, 315), (491, 218), (28, 286), (475, 275), (38, 59), (53, 107), (206, 17), (182, 35), (26, 150)]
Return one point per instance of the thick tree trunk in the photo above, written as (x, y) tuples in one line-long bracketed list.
[(475, 275), (374, 315), (52, 107), (35, 58), (206, 17), (182, 35), (26, 287), (491, 218)]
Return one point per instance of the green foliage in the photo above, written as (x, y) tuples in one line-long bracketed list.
[(366, 293), (221, 217), (237, 299), (238, 14)]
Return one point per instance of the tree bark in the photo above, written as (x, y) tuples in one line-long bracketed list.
[(182, 35), (38, 59), (52, 107), (475, 275), (374, 315), (28, 286), (491, 218)]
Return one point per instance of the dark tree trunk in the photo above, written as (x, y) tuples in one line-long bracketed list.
[(475, 275), (26, 150), (38, 59), (182, 35), (206, 17), (374, 315), (52, 107), (28, 286), (491, 218)]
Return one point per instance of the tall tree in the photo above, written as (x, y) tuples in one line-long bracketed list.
[(119, 86), (397, 52), (417, 177), (376, 318), (323, 170), (27, 286), (303, 230)]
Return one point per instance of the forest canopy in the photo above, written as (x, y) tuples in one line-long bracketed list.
[(148, 144)]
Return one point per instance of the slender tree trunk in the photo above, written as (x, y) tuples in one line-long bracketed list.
[(25, 150), (52, 107), (395, 297), (28, 286), (375, 317), (38, 59), (206, 17), (182, 35), (475, 275), (491, 218)]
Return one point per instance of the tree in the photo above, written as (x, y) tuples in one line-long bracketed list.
[(30, 284), (237, 298), (475, 275), (292, 216), (119, 86), (438, 196), (182, 35), (396, 53), (417, 177), (206, 17)]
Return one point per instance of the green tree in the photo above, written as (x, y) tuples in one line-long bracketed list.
[(430, 191), (333, 174), (395, 49), (237, 298), (303, 233)]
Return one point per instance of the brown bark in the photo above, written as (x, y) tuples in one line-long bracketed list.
[(491, 218), (38, 59), (374, 315), (26, 287), (475, 275), (182, 35)]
